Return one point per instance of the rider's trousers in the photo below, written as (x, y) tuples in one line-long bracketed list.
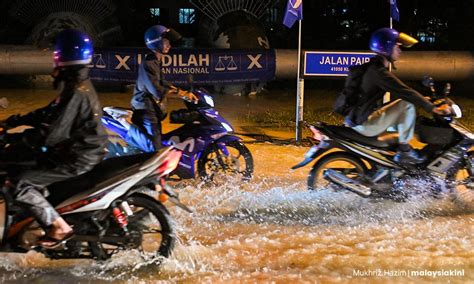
[(30, 190), (399, 114), (145, 133)]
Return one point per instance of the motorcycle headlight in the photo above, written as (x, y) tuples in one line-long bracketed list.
[(209, 100), (227, 127), (457, 111)]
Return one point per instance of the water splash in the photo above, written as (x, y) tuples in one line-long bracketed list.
[(237, 229), (292, 204)]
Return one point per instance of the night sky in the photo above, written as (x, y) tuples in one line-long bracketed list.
[(328, 24), (338, 24)]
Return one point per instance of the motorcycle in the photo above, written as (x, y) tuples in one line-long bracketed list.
[(117, 206), (364, 165), (205, 137)]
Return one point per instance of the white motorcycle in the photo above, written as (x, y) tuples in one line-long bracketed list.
[(116, 206)]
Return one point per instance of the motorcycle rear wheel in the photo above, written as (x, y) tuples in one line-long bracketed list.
[(345, 163), (150, 228), (214, 161)]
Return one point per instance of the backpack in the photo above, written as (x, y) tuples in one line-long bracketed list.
[(349, 97)]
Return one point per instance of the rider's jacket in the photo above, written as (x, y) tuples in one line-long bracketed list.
[(149, 82), (71, 126), (376, 81)]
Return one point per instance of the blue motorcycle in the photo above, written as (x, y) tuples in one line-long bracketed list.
[(205, 138)]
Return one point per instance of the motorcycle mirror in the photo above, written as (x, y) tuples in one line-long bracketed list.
[(428, 81), (4, 103), (447, 89), (190, 80)]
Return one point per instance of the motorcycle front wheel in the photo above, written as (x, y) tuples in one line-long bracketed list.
[(463, 181), (233, 159), (345, 163)]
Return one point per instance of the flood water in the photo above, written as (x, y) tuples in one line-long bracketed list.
[(272, 229)]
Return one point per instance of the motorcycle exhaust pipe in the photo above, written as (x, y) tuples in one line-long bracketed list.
[(347, 183)]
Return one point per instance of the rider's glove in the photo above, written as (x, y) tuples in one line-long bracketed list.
[(189, 96), (443, 109)]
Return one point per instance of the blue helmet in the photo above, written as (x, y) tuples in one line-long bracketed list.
[(155, 34), (72, 47), (383, 40)]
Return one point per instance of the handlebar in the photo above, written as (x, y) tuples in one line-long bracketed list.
[(185, 96)]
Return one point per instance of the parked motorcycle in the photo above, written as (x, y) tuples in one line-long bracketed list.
[(205, 137), (117, 206), (365, 166)]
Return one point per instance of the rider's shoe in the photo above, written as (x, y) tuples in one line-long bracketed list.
[(48, 242), (408, 158)]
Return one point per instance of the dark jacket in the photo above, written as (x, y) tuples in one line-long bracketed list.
[(376, 81), (71, 124), (149, 82)]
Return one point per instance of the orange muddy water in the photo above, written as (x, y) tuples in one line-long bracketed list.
[(272, 229)]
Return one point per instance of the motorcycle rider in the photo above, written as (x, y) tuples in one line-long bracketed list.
[(149, 99), (371, 117), (71, 134)]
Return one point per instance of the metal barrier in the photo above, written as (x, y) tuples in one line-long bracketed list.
[(442, 65)]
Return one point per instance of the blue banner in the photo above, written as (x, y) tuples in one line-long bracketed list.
[(207, 66), (394, 12), (293, 13), (318, 63)]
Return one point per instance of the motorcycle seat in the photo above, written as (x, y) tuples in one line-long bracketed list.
[(104, 174), (382, 141)]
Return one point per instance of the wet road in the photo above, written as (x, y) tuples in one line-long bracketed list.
[(272, 229)]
